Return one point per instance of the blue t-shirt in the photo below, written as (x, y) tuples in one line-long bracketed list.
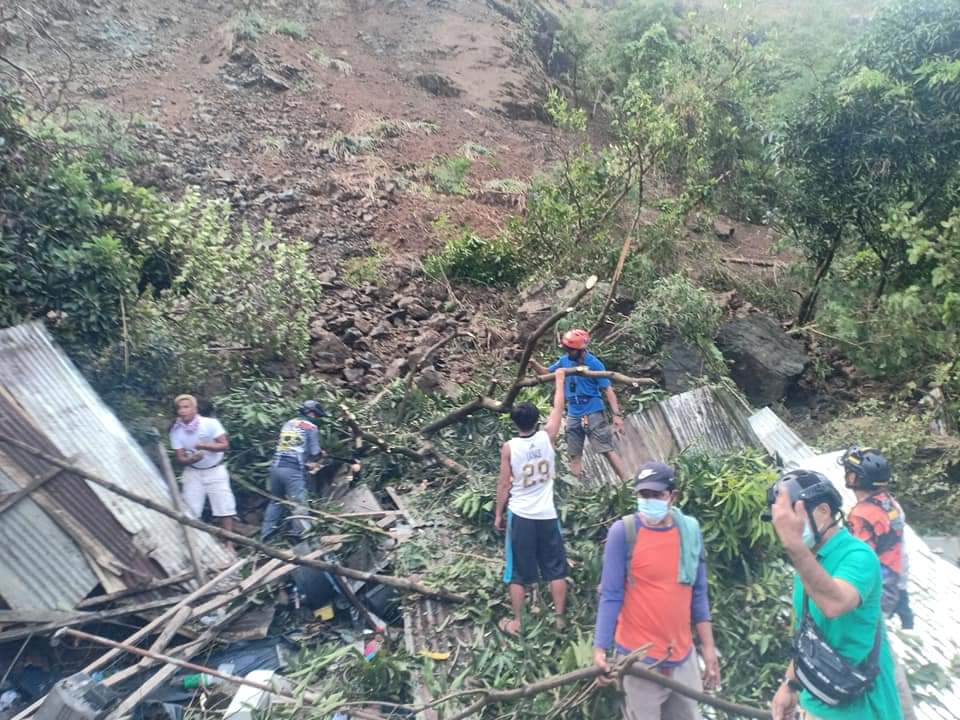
[(582, 394)]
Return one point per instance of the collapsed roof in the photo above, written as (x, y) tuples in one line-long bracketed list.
[(62, 536)]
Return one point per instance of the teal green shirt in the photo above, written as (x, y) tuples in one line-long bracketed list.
[(845, 557)]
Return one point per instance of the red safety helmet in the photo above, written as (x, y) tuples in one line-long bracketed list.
[(575, 339)]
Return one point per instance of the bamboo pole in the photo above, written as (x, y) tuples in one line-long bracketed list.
[(308, 698), (167, 469)]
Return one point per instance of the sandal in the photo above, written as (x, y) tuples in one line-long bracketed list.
[(509, 626)]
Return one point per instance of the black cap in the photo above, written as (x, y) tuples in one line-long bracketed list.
[(654, 476), (314, 407)]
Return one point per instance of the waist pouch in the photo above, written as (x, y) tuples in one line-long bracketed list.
[(824, 672)]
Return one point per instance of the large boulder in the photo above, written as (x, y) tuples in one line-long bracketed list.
[(683, 364), (764, 361)]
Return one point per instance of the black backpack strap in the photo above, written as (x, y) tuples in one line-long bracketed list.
[(871, 660)]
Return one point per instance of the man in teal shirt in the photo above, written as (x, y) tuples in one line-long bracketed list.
[(841, 577)]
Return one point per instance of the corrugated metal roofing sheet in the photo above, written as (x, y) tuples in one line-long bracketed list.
[(779, 439), (65, 409), (30, 580)]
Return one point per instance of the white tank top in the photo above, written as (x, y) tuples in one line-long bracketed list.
[(533, 465)]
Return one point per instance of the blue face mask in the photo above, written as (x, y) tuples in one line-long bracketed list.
[(653, 509), (809, 538)]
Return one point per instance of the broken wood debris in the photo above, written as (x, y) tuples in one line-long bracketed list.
[(406, 584)]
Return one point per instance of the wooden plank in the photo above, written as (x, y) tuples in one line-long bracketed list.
[(120, 594), (163, 639), (13, 498), (397, 499), (40, 615)]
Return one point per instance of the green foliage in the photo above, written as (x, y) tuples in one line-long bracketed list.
[(364, 268), (727, 494), (921, 466), (250, 26), (673, 303), (467, 257), (291, 28), (449, 174), (142, 291)]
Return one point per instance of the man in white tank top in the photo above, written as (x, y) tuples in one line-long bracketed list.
[(534, 546)]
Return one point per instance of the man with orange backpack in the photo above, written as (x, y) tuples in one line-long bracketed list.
[(585, 408)]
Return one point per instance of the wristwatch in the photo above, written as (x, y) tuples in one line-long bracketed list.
[(792, 684)]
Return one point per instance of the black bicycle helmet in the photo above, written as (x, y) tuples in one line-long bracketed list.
[(868, 465), (312, 406), (807, 485)]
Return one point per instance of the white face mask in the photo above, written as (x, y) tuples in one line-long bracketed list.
[(809, 536)]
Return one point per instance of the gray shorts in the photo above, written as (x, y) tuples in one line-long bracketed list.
[(645, 700), (597, 428)]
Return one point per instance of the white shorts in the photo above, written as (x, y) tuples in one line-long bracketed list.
[(213, 483)]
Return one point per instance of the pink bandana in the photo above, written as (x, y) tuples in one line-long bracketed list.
[(190, 427)]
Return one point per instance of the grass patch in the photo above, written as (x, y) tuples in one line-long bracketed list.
[(341, 146), (367, 136), (507, 186), (336, 64), (364, 268), (290, 28), (474, 151), (250, 26), (384, 128), (449, 174)]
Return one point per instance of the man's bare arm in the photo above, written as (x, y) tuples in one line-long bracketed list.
[(503, 486), (537, 367), (552, 428)]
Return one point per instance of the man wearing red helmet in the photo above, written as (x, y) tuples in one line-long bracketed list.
[(584, 399)]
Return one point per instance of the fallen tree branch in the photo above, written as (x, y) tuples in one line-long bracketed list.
[(486, 403), (752, 261), (584, 371), (615, 281), (427, 450), (405, 584), (539, 333), (625, 666), (120, 594)]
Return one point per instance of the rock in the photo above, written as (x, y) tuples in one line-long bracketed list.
[(682, 364), (439, 85), (327, 277), (764, 361), (362, 325), (354, 374), (418, 312), (382, 330), (430, 381), (317, 329), (327, 348), (396, 368), (352, 335), (723, 230)]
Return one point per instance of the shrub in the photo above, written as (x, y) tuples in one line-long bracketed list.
[(290, 28), (364, 268), (671, 303), (250, 26), (449, 174), (467, 257)]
